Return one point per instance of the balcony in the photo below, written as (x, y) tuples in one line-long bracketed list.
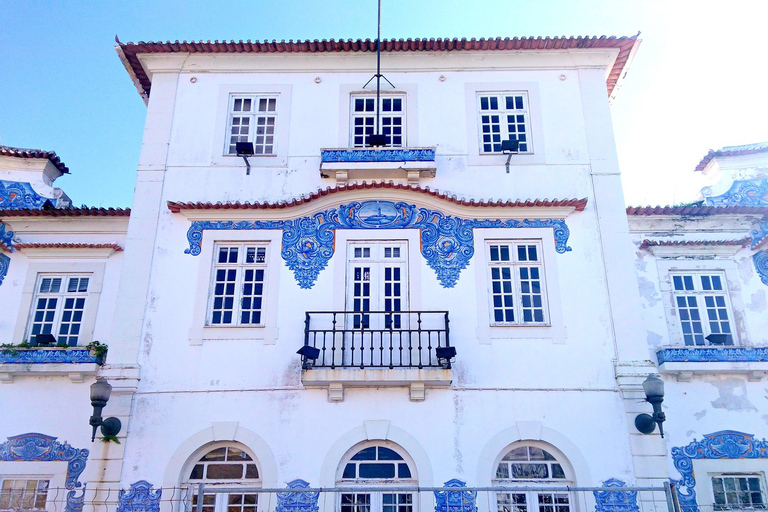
[(73, 362), (373, 163), (687, 361), (377, 348)]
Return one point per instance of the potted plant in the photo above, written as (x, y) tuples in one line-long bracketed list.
[(97, 350)]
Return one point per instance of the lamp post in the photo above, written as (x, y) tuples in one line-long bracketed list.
[(653, 387), (100, 392)]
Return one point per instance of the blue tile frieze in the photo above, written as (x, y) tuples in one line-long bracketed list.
[(752, 192), (46, 356), (447, 242), (35, 447), (726, 444), (16, 195), (378, 155), (460, 500), (614, 499), (141, 497), (297, 500), (713, 355), (760, 259)]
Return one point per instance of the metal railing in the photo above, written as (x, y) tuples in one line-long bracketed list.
[(376, 339)]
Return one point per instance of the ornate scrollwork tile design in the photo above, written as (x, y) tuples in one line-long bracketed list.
[(5, 263), (297, 500), (760, 259), (43, 448), (6, 236), (447, 242), (17, 195), (712, 355), (726, 444), (455, 501), (141, 497), (618, 500), (743, 193), (378, 155)]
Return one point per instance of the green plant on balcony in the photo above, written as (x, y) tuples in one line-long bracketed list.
[(98, 350)]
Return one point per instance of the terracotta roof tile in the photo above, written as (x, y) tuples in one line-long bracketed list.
[(68, 212), (743, 242), (130, 51), (113, 246), (696, 210), (35, 153), (176, 207), (747, 149)]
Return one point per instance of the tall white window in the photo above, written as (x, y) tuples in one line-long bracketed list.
[(392, 119), (252, 118), (58, 307), (377, 280), (225, 466), (531, 466), (503, 116), (238, 284), (738, 492), (701, 300), (516, 277), (377, 466), (23, 494)]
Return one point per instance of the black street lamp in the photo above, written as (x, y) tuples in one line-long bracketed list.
[(100, 391), (654, 393)]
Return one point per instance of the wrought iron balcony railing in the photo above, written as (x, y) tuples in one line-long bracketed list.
[(377, 339)]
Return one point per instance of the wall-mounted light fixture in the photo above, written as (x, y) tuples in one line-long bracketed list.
[(444, 356), (308, 355), (653, 387), (100, 391), (510, 147), (245, 149)]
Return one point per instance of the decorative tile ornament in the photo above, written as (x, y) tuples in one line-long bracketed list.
[(46, 356), (141, 497), (760, 234), (726, 444), (17, 195), (615, 500), (447, 242), (760, 259), (40, 447), (378, 155), (752, 192), (6, 236), (297, 500), (5, 263), (455, 501), (712, 355)]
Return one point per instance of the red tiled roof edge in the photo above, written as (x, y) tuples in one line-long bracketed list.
[(35, 153), (676, 243), (625, 44), (176, 207), (696, 210), (723, 152), (114, 247), (68, 212)]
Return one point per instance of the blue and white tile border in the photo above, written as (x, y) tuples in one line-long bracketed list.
[(141, 497), (712, 355), (447, 242), (377, 155), (46, 356), (726, 444), (42, 448), (17, 195)]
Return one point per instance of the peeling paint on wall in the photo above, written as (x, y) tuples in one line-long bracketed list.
[(690, 433), (654, 339), (458, 422), (746, 269), (733, 395), (700, 414), (757, 302), (648, 291)]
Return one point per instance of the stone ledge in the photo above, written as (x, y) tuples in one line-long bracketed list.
[(336, 380), (75, 371)]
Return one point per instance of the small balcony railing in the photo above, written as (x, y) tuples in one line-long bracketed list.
[(377, 339)]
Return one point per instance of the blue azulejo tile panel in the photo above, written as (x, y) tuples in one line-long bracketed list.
[(6, 236), (460, 500), (447, 242), (5, 263), (726, 444), (141, 497), (297, 500), (613, 499), (760, 259), (378, 155), (752, 192), (16, 195), (713, 355), (44, 356), (35, 447)]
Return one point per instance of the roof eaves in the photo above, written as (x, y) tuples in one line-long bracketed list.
[(35, 153)]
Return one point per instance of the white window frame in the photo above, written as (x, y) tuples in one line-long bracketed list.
[(517, 282), (221, 499), (4, 478), (761, 481), (503, 123), (61, 297), (702, 308), (240, 268), (267, 140), (384, 97)]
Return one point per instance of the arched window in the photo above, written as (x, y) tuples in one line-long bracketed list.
[(377, 465), (222, 466), (532, 466)]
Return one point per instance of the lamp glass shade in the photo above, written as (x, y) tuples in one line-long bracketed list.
[(653, 387), (100, 390)]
